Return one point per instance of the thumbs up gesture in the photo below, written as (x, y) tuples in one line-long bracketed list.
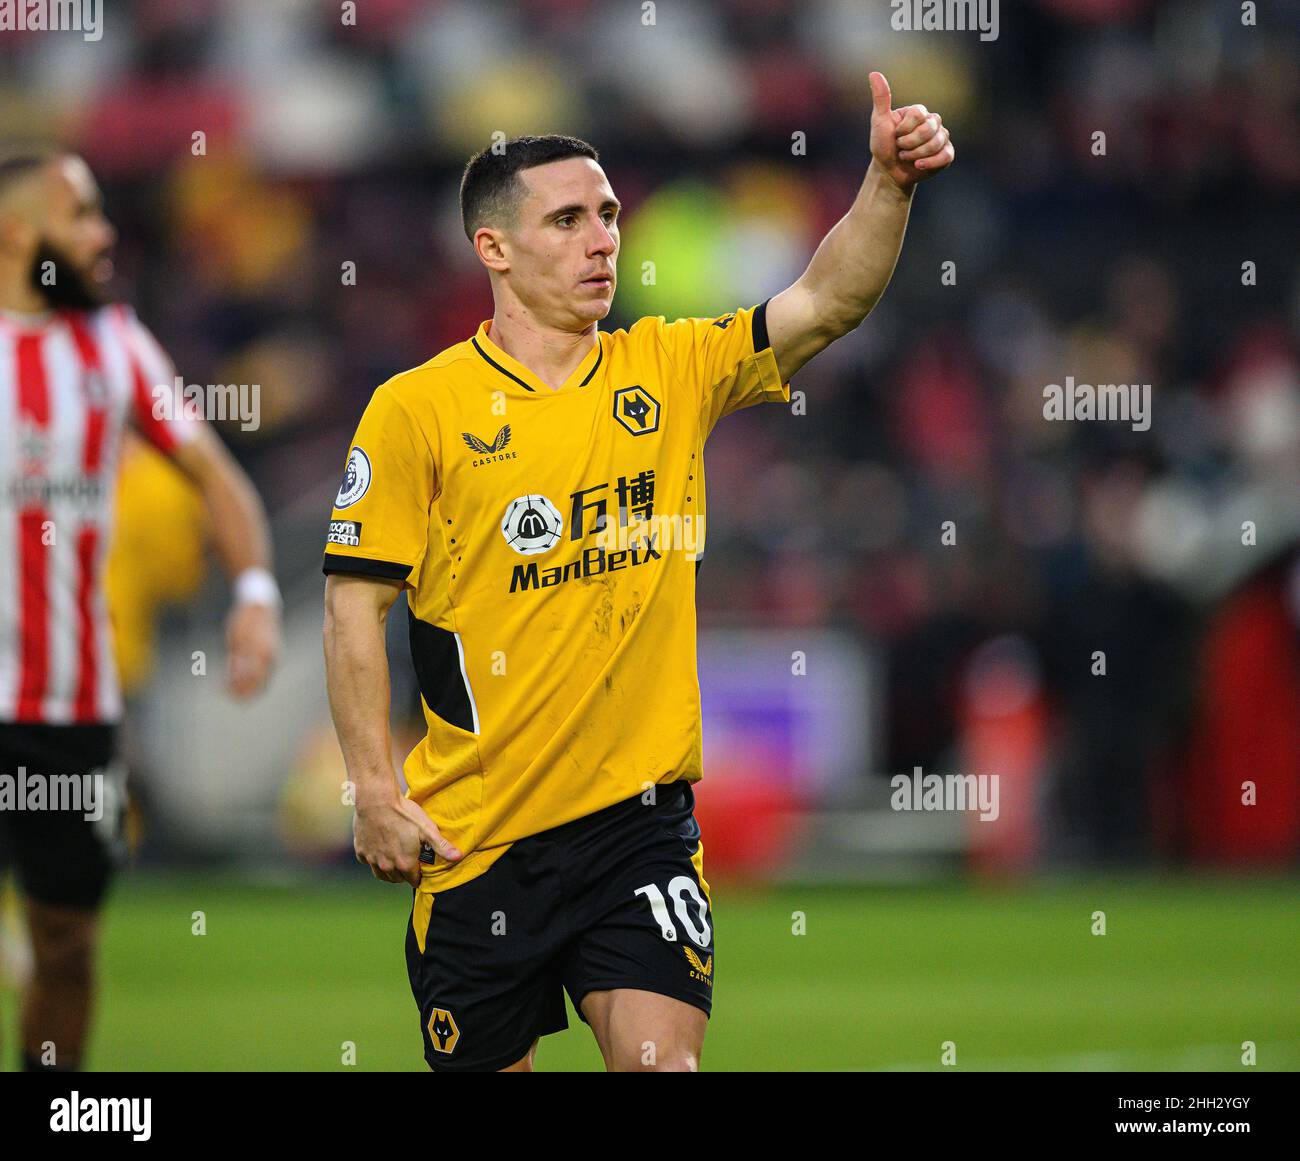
[(907, 144)]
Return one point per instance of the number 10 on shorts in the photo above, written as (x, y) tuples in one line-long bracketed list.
[(679, 889)]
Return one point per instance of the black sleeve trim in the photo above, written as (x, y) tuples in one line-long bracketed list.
[(761, 342), (336, 562), (436, 658)]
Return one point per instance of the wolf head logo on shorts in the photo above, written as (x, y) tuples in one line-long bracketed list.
[(443, 1032)]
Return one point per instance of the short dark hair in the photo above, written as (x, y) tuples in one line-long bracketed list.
[(490, 189)]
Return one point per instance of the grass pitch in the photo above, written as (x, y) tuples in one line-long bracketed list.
[(1188, 969)]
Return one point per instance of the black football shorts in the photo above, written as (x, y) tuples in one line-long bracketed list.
[(613, 900), (62, 830)]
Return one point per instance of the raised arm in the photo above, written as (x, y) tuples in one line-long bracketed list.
[(854, 262)]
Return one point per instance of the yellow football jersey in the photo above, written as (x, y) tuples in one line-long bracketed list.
[(549, 540)]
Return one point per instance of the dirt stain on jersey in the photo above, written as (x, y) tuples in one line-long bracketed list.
[(603, 617), (628, 615)]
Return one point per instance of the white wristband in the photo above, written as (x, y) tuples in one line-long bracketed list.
[(256, 586)]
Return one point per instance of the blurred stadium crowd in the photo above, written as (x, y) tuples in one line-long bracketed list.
[(735, 133)]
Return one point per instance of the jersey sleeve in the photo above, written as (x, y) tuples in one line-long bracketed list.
[(727, 360), (154, 410), (380, 523)]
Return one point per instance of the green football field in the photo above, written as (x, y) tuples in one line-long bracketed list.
[(880, 979)]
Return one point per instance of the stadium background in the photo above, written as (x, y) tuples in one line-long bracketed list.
[(332, 150)]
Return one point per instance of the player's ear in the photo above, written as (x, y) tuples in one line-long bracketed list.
[(490, 246)]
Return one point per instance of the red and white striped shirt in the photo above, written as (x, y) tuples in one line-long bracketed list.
[(69, 381)]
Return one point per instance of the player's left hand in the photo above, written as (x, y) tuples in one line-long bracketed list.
[(252, 647), (908, 144)]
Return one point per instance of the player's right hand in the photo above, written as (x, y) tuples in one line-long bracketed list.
[(907, 144), (386, 837)]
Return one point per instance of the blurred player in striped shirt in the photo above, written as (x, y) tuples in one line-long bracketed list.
[(75, 370)]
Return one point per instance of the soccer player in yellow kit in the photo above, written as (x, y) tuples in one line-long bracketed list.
[(538, 491)]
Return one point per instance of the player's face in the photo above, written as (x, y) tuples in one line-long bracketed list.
[(75, 236), (564, 253)]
